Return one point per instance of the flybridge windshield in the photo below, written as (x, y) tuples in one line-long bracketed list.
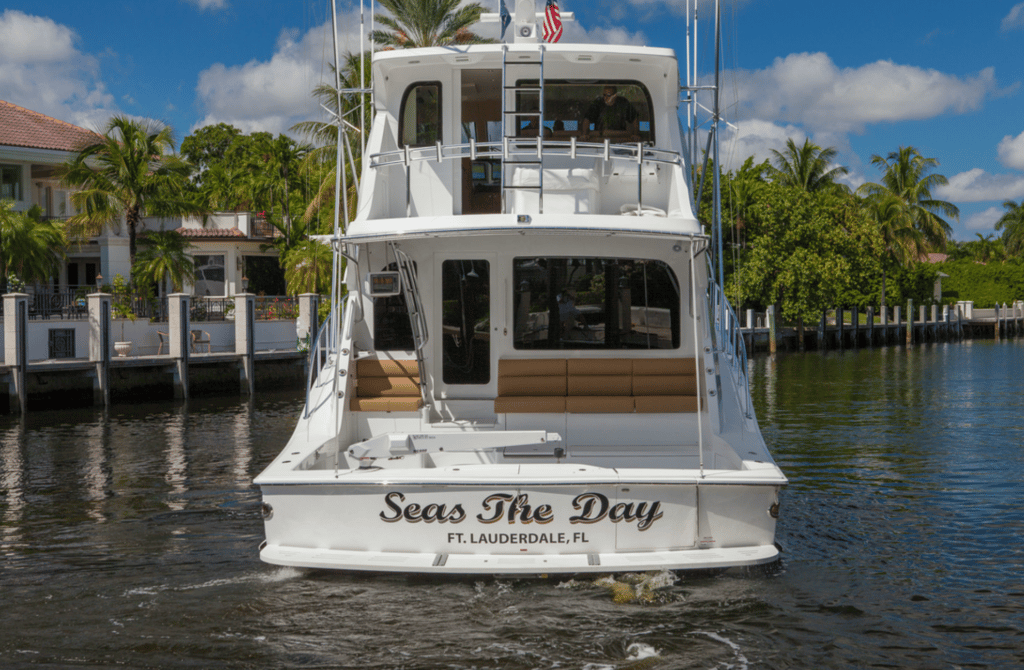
[(595, 303), (591, 110)]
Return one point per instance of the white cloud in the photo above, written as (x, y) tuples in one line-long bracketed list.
[(273, 95), (754, 137), (577, 34), (1011, 151), (1014, 20), (809, 89), (977, 185), (208, 4), (41, 69), (984, 220)]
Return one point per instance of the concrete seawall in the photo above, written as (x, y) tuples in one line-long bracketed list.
[(174, 359)]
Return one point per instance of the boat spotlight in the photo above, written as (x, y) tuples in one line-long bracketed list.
[(267, 511)]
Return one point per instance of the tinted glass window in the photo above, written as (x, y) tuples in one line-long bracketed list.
[(595, 303), (421, 115)]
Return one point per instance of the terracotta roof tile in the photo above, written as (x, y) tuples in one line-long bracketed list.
[(208, 233), (20, 127)]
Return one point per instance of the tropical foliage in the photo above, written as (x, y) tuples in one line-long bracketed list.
[(131, 172), (322, 160), (1012, 225), (164, 255), (907, 175), (30, 249), (807, 167), (427, 23), (308, 268)]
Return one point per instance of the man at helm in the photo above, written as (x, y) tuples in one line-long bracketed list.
[(611, 112)]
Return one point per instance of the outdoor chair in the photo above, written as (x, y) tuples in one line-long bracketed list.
[(199, 338)]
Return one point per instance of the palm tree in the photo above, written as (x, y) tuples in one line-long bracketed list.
[(324, 134), (907, 175), (1012, 225), (308, 267), (275, 168), (427, 23), (164, 255), (902, 243), (130, 172), (807, 167), (986, 249), (30, 250)]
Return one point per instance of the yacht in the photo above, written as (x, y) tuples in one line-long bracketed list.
[(530, 366)]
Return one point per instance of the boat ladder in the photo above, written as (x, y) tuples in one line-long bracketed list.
[(411, 291), (522, 102)]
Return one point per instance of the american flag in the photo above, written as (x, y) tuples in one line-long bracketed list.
[(552, 22)]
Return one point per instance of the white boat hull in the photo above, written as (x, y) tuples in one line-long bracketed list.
[(509, 522)]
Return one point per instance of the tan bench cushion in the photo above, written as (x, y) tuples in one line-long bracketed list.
[(386, 386), (531, 386), (599, 385), (375, 387), (664, 385), (386, 368), (666, 403), (385, 404)]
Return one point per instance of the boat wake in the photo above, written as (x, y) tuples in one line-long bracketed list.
[(632, 587)]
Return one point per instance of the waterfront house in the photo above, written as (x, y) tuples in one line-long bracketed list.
[(226, 245)]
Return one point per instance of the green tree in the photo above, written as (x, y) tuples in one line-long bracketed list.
[(808, 251), (807, 167), (29, 249), (164, 255), (322, 160), (908, 175), (308, 267), (1012, 225), (902, 243), (131, 172), (427, 23), (209, 145)]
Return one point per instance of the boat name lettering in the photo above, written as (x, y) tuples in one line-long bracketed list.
[(414, 512), (516, 508), (595, 507)]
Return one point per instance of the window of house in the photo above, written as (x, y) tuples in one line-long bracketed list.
[(595, 303), (10, 182), (210, 275), (421, 115)]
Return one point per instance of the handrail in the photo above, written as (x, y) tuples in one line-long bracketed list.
[(728, 340), (532, 146), (325, 345)]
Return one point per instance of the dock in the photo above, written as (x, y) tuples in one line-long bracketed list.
[(176, 358), (851, 329)]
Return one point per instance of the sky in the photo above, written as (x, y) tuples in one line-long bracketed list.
[(863, 77)]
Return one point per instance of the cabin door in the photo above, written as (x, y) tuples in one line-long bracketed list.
[(467, 325), (481, 121)]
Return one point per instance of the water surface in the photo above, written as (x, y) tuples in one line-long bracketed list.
[(128, 538)]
